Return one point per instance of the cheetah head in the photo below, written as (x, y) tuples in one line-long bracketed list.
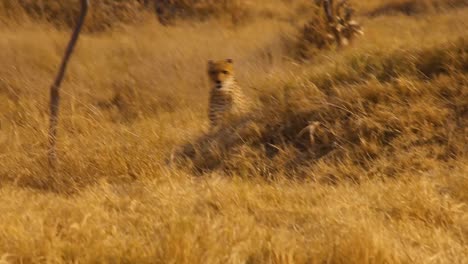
[(221, 73)]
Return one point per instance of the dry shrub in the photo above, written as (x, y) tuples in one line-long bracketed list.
[(412, 7), (388, 111), (314, 36), (327, 28)]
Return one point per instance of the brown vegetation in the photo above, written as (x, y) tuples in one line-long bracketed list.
[(329, 24), (413, 7), (384, 179), (106, 14)]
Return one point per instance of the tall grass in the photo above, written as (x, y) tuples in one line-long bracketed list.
[(385, 181), (107, 14)]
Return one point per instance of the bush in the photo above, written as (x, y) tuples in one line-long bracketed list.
[(314, 36), (323, 30)]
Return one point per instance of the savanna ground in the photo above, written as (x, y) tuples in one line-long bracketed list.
[(388, 182)]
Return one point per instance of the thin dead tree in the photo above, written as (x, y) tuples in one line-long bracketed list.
[(55, 88)]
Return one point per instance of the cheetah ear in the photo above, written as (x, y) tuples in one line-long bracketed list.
[(229, 61), (210, 64)]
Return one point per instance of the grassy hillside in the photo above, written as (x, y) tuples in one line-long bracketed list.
[(386, 180)]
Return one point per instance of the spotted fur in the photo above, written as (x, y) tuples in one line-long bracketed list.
[(227, 100)]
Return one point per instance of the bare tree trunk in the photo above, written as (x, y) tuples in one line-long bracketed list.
[(55, 88)]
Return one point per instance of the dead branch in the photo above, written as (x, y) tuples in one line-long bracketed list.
[(328, 7), (55, 88)]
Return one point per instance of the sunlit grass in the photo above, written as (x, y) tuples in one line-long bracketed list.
[(389, 186)]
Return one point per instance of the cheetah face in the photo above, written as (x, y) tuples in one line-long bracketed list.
[(221, 73)]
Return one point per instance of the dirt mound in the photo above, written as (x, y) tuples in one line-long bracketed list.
[(382, 115)]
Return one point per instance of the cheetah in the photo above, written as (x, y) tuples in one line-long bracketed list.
[(227, 100)]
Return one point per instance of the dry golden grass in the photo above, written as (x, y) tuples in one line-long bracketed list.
[(386, 181), (106, 14)]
